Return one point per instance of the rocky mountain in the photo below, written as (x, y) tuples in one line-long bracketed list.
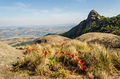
[(93, 16), (95, 23)]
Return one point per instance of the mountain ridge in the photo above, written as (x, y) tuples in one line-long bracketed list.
[(95, 23)]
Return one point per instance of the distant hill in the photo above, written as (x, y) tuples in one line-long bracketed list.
[(95, 23), (16, 36), (52, 39), (108, 40), (19, 40)]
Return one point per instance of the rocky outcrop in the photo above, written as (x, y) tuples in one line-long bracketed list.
[(93, 16)]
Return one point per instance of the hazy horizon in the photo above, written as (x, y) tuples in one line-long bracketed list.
[(53, 12)]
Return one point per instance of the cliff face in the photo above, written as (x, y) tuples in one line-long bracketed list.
[(78, 30)]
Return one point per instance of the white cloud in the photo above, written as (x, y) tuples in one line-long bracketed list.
[(43, 19), (33, 16)]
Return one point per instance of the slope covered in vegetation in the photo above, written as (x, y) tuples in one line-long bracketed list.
[(71, 59), (96, 23)]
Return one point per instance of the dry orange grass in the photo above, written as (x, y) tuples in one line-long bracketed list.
[(100, 63)]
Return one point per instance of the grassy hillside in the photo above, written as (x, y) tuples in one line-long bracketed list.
[(52, 39), (69, 60), (106, 39)]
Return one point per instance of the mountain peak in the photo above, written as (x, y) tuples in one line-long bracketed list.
[(79, 29), (93, 15), (93, 11)]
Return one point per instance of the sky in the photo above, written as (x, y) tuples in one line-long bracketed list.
[(53, 12)]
